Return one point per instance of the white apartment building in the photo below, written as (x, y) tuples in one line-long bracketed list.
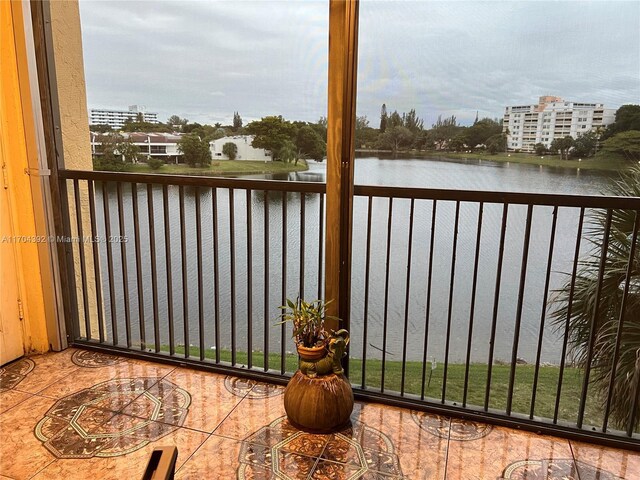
[(552, 118), (116, 118), (245, 150)]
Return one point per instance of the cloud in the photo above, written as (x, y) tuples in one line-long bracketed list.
[(206, 59)]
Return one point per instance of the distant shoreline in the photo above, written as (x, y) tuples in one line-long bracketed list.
[(598, 162)]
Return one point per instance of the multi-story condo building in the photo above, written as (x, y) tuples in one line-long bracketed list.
[(552, 118), (116, 118), (156, 145)]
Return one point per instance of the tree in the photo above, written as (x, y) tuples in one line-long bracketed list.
[(412, 121), (100, 128), (540, 149), (310, 144), (480, 132), (142, 126), (271, 133), (457, 143), (230, 149), (108, 155), (562, 145), (627, 118), (175, 122), (442, 131), (624, 143), (237, 121), (383, 118), (496, 143), (585, 145), (128, 150), (576, 301), (395, 138), (195, 151), (288, 152)]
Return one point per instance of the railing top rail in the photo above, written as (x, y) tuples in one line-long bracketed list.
[(560, 200), (194, 181)]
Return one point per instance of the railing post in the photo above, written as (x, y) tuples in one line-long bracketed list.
[(343, 60)]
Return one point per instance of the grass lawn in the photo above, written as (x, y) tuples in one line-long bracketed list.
[(598, 162), (224, 167), (545, 396)]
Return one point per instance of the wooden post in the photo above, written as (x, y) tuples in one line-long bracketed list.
[(343, 61)]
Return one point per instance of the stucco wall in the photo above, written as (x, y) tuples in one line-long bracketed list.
[(74, 123)]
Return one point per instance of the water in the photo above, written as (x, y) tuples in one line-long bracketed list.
[(467, 175)]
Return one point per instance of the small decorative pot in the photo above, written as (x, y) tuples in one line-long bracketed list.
[(311, 354)]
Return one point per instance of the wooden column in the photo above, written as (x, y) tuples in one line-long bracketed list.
[(343, 61)]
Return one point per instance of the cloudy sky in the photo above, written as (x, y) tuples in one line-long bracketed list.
[(204, 60)]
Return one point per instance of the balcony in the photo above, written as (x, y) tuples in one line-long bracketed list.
[(80, 414)]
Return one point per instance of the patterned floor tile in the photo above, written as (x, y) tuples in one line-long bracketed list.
[(13, 373), (592, 459)]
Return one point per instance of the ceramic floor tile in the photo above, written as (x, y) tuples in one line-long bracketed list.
[(87, 377), (21, 453), (11, 398), (218, 458), (250, 415), (49, 369), (510, 454), (124, 465), (595, 462), (209, 400), (396, 444)]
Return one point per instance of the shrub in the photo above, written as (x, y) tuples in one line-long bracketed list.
[(155, 163)]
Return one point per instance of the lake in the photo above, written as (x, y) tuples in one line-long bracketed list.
[(467, 175)]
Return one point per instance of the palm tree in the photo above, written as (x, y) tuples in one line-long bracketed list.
[(614, 364)]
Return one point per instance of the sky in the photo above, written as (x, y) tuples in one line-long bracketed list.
[(203, 60)]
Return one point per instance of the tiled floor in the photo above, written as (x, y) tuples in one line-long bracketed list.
[(79, 414)]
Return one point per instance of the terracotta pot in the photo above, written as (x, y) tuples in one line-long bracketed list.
[(312, 353)]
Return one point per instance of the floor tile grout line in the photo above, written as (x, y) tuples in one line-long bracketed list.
[(313, 468), (573, 458), (216, 427), (446, 457), (42, 469)]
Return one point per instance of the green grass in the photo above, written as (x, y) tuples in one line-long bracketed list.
[(600, 161), (224, 167), (523, 385)]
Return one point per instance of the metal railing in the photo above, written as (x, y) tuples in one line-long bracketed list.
[(452, 301)]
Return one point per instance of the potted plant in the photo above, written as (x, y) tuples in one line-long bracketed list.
[(318, 396), (308, 326)]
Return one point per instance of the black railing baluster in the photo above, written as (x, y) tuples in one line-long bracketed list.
[(636, 397), (112, 289), (594, 319), (185, 273), (283, 338), (427, 315), (621, 319), (83, 267), (249, 283), (123, 261), (216, 270), (450, 306), (139, 284), (232, 279), (365, 317), (95, 242), (474, 291), (565, 338), (496, 301), (154, 267), (320, 244), (266, 281), (516, 330), (201, 331), (407, 298), (302, 240), (543, 315), (167, 251), (385, 322)]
